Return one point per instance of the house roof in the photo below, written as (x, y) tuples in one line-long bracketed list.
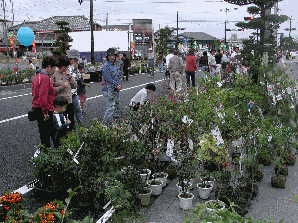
[(198, 36), (31, 25), (76, 23)]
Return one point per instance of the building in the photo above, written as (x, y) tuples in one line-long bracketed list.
[(44, 31), (200, 39)]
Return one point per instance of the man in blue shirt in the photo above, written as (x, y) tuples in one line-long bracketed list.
[(112, 84)]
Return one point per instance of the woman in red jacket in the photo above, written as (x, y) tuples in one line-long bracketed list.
[(43, 94), (191, 67)]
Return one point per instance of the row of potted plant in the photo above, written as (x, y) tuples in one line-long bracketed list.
[(17, 77), (201, 124)]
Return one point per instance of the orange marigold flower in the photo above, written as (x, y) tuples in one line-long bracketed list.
[(62, 212)]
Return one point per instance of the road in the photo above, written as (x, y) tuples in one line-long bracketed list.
[(19, 136)]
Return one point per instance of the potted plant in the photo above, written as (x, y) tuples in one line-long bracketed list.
[(156, 186), (186, 199), (162, 176), (145, 174), (145, 195), (214, 206), (278, 181), (281, 168), (204, 189)]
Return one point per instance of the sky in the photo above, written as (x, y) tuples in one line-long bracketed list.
[(194, 15)]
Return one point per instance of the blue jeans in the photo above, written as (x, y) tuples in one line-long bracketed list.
[(112, 98), (77, 109), (160, 67), (205, 70)]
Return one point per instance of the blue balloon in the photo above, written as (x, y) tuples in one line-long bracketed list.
[(25, 36)]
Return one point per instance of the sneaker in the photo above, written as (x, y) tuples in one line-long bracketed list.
[(151, 76), (84, 113)]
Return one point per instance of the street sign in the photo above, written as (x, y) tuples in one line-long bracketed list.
[(224, 47), (185, 40), (200, 46)]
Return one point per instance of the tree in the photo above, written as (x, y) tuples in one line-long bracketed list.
[(266, 24), (63, 39), (163, 38)]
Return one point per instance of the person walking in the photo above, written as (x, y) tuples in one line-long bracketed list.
[(176, 69), (167, 74), (151, 61), (63, 82), (74, 56), (212, 63), (203, 61), (81, 88), (191, 67), (126, 65), (43, 94), (160, 62), (112, 84), (225, 60)]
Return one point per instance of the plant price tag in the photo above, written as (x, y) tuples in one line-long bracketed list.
[(217, 135)]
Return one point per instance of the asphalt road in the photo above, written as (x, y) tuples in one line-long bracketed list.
[(19, 136)]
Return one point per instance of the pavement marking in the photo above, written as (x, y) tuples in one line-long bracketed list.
[(14, 96), (97, 96)]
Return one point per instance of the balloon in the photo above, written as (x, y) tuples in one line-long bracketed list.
[(25, 36)]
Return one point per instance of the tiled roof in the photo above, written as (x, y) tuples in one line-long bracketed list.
[(198, 36), (76, 23), (31, 25)]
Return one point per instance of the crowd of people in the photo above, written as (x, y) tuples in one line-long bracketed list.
[(214, 63), (59, 93)]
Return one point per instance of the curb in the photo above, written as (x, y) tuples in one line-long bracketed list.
[(16, 87)]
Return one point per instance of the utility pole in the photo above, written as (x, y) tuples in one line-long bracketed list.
[(92, 27), (5, 33), (290, 27), (107, 21), (177, 33), (92, 36)]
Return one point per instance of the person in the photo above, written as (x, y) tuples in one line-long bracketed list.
[(81, 88), (112, 84), (176, 69), (225, 60), (140, 98), (63, 82), (218, 57), (160, 62), (43, 94), (74, 56), (191, 67), (168, 57), (61, 124), (212, 63), (119, 62), (31, 65), (126, 65), (203, 61), (151, 61)]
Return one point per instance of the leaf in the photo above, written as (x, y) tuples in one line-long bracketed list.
[(58, 214)]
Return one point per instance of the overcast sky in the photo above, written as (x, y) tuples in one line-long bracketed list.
[(162, 12)]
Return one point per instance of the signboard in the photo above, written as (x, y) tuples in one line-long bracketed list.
[(224, 47), (184, 40), (200, 46)]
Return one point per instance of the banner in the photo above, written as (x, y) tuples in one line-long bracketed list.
[(10, 35), (132, 46), (33, 44)]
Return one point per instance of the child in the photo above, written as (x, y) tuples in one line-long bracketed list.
[(81, 88), (61, 124), (140, 98)]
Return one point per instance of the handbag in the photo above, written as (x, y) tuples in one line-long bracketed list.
[(32, 115)]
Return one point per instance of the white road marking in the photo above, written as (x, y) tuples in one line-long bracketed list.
[(97, 96), (14, 96)]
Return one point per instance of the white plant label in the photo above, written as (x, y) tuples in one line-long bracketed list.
[(187, 120), (238, 142), (190, 143), (278, 97), (170, 147), (289, 90), (217, 135), (219, 84)]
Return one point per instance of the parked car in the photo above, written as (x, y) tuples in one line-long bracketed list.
[(293, 54)]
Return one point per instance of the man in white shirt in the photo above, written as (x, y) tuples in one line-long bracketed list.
[(212, 63), (168, 57), (139, 99)]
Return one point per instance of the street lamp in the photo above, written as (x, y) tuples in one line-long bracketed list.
[(92, 27)]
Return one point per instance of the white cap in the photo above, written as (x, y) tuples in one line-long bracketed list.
[(150, 48)]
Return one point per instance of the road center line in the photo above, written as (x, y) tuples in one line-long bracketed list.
[(97, 96)]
